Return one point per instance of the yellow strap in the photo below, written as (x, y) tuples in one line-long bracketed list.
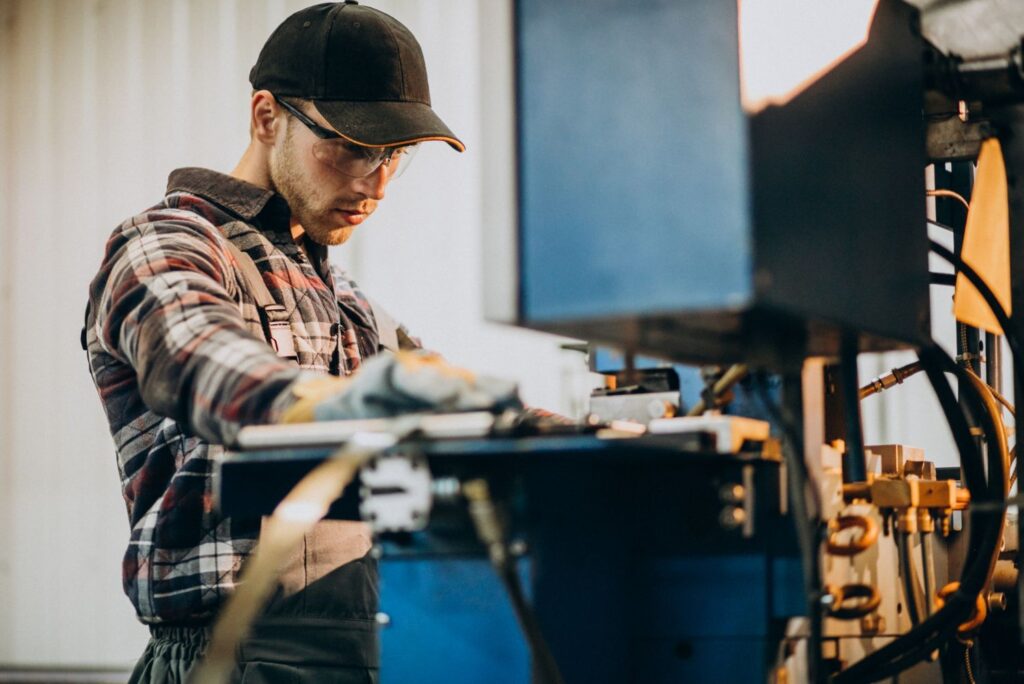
[(986, 242)]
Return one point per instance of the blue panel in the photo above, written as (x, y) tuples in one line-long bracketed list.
[(702, 596), (788, 587), (632, 158), (451, 623), (723, 661)]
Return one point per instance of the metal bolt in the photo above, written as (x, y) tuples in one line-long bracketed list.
[(518, 548), (732, 517), (872, 623), (997, 602), (732, 492), (446, 488), (659, 408)]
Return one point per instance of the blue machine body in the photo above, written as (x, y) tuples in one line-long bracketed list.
[(626, 563), (631, 158), (655, 214), (630, 574), (449, 620)]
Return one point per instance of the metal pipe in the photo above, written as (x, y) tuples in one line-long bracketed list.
[(854, 464), (994, 361), (927, 564)]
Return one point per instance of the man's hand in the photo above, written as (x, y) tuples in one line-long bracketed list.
[(407, 382)]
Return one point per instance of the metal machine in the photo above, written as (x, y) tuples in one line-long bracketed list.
[(726, 523), (630, 547)]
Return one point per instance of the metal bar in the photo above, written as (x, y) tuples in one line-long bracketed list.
[(994, 361), (334, 432)]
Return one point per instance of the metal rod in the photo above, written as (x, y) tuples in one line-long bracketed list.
[(336, 432), (994, 361), (854, 464)]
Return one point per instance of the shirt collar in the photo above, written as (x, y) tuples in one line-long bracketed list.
[(253, 204), (244, 199)]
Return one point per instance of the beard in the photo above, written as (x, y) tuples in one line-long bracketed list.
[(310, 207)]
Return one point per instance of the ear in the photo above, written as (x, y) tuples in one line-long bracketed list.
[(265, 117)]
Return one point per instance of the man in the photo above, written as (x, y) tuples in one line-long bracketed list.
[(217, 308)]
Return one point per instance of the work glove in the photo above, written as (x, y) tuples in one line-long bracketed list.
[(393, 384)]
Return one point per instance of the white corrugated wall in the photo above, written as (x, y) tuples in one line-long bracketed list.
[(101, 99)]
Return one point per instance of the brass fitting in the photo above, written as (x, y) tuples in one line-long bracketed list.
[(906, 520), (925, 520), (977, 617), (853, 491)]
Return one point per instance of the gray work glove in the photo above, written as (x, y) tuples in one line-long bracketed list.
[(393, 384)]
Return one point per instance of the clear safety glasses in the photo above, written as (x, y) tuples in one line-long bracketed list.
[(348, 158)]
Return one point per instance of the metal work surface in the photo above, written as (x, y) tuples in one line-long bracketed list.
[(630, 549)]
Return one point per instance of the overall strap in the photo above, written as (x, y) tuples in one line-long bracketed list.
[(387, 328), (273, 317)]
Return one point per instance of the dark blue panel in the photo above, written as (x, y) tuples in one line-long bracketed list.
[(451, 623), (787, 587), (723, 661), (703, 596), (632, 158)]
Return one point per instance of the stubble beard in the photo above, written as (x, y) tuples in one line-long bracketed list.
[(308, 207)]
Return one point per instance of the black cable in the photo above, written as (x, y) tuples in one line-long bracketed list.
[(944, 226), (808, 531), (998, 453), (925, 637), (544, 662), (895, 377), (942, 278), (854, 463), (491, 531), (1009, 331), (916, 644)]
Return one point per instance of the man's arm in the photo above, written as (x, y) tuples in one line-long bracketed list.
[(163, 303)]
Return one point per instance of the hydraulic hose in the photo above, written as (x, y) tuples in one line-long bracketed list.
[(910, 648), (895, 377), (297, 513), (1009, 330), (986, 528)]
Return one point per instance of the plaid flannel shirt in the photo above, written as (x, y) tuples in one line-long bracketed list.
[(178, 355)]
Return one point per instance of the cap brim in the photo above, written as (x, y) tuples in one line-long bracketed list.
[(386, 124)]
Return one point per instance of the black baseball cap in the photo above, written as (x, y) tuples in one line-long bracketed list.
[(362, 69)]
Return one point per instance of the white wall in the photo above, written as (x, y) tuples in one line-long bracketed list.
[(101, 99)]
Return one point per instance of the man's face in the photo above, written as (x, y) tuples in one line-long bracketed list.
[(326, 203)]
